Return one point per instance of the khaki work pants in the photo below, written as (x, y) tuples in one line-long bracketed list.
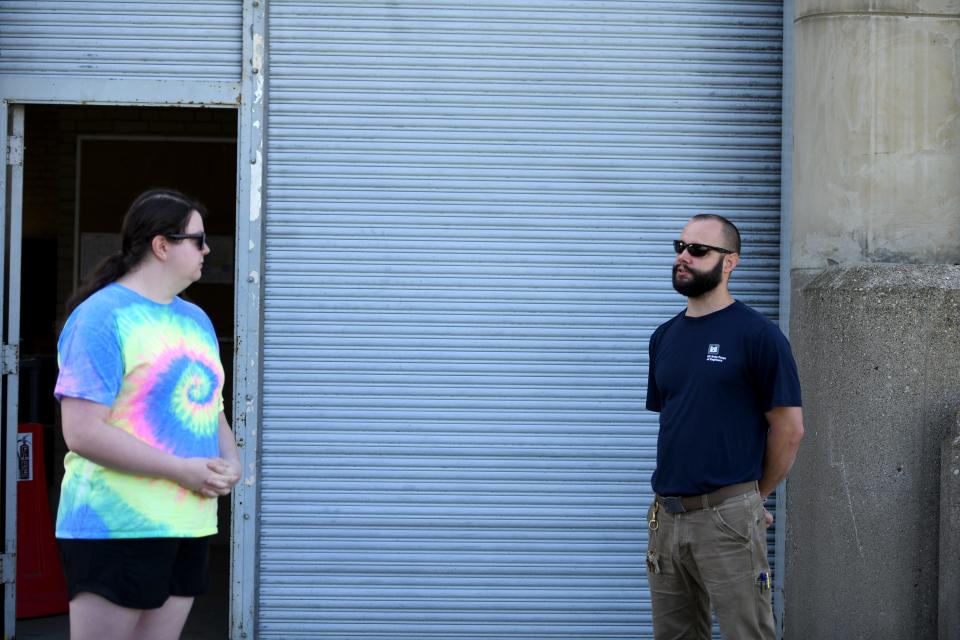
[(715, 556)]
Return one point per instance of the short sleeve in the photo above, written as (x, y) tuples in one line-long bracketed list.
[(778, 379), (91, 364)]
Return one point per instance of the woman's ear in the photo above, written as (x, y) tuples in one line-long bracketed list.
[(160, 246)]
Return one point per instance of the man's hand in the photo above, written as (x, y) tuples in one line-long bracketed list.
[(767, 518)]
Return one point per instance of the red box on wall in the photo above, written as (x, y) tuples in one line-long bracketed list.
[(41, 587)]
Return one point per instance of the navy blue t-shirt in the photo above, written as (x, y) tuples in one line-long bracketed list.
[(712, 379)]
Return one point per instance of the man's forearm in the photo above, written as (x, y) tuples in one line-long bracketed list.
[(783, 441)]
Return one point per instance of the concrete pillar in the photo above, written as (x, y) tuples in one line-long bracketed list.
[(877, 346), (876, 179), (949, 622), (876, 164)]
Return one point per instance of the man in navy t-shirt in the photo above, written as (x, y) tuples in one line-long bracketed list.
[(725, 384)]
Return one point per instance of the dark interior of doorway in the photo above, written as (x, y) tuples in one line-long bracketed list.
[(83, 165)]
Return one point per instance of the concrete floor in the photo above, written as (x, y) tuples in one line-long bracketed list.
[(208, 620)]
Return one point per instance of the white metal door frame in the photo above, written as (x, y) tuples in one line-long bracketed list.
[(248, 314), (11, 195)]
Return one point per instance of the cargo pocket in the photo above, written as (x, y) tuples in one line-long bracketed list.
[(735, 519)]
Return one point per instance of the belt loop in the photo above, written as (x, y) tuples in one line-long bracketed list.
[(705, 501)]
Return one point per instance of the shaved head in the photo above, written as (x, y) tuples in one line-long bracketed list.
[(731, 235)]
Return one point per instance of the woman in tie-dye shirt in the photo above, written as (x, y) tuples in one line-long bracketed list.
[(140, 388)]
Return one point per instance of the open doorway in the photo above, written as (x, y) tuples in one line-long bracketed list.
[(83, 165)]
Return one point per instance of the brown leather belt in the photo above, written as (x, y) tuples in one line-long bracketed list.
[(682, 504)]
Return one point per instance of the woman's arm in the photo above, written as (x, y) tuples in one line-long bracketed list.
[(87, 433)]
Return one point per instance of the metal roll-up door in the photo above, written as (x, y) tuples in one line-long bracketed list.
[(174, 41), (469, 215)]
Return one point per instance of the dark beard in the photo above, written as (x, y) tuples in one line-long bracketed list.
[(700, 282)]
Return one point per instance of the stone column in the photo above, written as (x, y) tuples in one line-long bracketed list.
[(878, 347), (950, 536), (876, 179), (876, 164)]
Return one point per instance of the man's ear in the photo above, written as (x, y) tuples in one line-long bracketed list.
[(730, 261), (160, 247)]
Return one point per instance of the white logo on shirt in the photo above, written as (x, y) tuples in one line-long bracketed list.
[(713, 353)]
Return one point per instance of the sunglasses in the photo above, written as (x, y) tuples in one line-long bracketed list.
[(200, 238), (696, 249)]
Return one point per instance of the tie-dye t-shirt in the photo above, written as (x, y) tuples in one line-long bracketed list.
[(157, 366)]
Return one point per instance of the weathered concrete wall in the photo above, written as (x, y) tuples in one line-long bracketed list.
[(876, 179), (879, 353), (949, 622), (876, 132)]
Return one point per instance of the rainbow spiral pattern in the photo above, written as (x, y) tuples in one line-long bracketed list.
[(168, 394)]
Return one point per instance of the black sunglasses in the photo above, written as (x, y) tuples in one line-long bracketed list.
[(696, 249), (201, 238)]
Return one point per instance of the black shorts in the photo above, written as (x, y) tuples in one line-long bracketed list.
[(137, 573)]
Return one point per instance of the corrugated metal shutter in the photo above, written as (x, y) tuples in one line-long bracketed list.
[(467, 242), (177, 39)]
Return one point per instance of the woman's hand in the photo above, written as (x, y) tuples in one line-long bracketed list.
[(227, 470), (226, 474), (200, 476)]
